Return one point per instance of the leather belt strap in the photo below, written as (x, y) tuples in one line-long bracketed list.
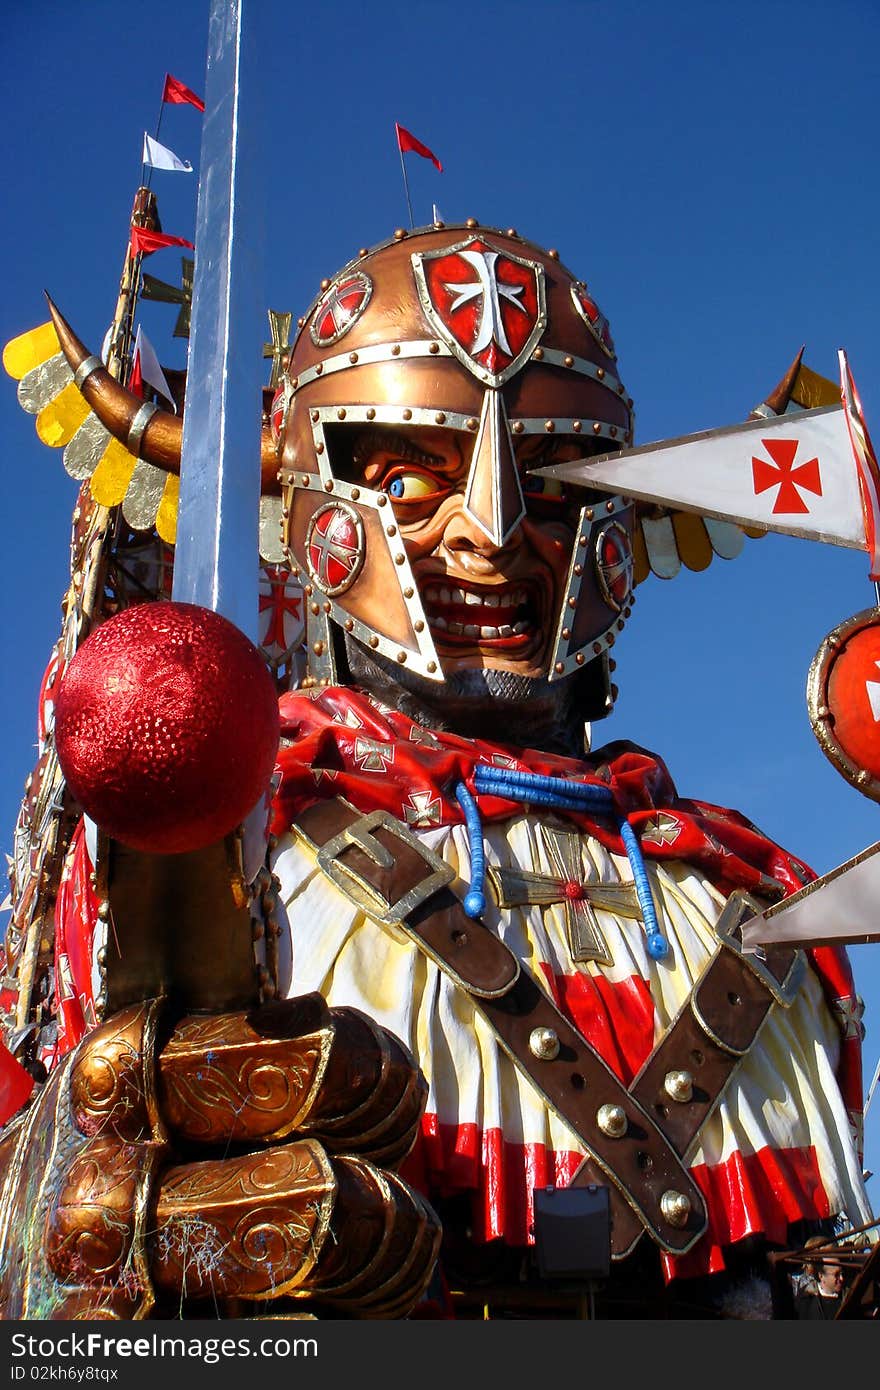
[(635, 1137)]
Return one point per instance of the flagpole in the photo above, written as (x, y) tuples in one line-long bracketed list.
[(405, 185)]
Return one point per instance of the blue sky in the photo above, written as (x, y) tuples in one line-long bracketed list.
[(711, 172)]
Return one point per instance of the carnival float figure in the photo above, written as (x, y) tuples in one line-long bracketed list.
[(491, 954)]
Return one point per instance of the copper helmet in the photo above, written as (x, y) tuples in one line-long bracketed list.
[(465, 328)]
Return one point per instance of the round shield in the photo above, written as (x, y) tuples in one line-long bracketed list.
[(843, 699), (335, 547), (340, 307)]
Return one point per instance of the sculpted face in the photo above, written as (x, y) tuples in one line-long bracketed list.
[(489, 606)]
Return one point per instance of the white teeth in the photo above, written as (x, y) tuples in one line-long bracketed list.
[(431, 595), (437, 622), (444, 596), (505, 630), (520, 627), (455, 629), (471, 630), (488, 632), (472, 598), (492, 600)]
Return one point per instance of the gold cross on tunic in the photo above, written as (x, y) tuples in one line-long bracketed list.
[(522, 888), (279, 328)]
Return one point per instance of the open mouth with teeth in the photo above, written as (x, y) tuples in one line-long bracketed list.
[(504, 619)]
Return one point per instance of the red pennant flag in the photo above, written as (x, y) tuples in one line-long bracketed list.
[(406, 141), (145, 242), (177, 94), (15, 1084)]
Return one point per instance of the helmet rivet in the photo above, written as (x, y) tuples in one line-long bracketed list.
[(612, 1121), (679, 1085), (553, 254), (582, 540), (340, 414), (395, 351), (315, 417), (559, 668), (401, 657), (399, 559), (319, 447), (381, 500), (314, 608), (596, 427), (374, 641), (407, 415), (578, 569), (308, 591), (305, 480), (549, 426), (471, 222), (566, 632), (471, 424), (319, 369), (600, 373), (511, 231), (328, 486), (538, 354), (352, 357), (676, 1207), (597, 647), (318, 648), (626, 612), (434, 347), (609, 638), (391, 530), (399, 233), (580, 658), (576, 426), (440, 418), (568, 361), (517, 426), (355, 494), (613, 431), (348, 625), (294, 382), (371, 414), (364, 251), (408, 592), (300, 322), (572, 602), (325, 284), (620, 388), (325, 607), (609, 506), (419, 626), (104, 910), (544, 1044), (432, 666)]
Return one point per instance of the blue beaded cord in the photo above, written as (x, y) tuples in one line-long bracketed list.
[(561, 795)]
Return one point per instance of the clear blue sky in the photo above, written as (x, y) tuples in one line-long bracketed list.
[(710, 171)]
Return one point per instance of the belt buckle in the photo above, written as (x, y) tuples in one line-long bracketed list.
[(360, 834), (739, 907)]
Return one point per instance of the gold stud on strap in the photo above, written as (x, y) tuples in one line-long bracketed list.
[(676, 1207), (544, 1044), (679, 1085), (612, 1121)]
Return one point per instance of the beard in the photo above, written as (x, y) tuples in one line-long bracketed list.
[(477, 703)]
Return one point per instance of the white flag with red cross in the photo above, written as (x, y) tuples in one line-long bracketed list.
[(808, 473)]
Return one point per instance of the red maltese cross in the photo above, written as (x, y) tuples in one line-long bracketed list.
[(782, 473)]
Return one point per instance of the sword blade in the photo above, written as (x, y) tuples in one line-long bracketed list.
[(215, 561)]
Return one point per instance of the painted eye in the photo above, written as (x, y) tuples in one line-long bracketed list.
[(409, 485)]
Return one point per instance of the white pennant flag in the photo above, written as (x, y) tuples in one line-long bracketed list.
[(797, 474), (145, 364), (158, 156)]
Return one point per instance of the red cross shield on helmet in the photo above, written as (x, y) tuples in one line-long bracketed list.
[(487, 305), (340, 307), (614, 565), (335, 547)]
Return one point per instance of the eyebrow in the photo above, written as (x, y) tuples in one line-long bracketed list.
[(403, 447)]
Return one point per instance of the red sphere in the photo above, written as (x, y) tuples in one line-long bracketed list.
[(166, 727)]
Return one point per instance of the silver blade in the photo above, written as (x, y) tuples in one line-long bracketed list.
[(836, 909), (215, 561)]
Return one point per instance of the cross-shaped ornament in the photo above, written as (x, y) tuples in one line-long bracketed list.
[(279, 328), (521, 888)]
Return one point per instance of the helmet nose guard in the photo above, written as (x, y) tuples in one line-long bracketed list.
[(470, 329)]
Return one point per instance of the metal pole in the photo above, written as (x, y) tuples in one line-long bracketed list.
[(406, 187), (215, 561)]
